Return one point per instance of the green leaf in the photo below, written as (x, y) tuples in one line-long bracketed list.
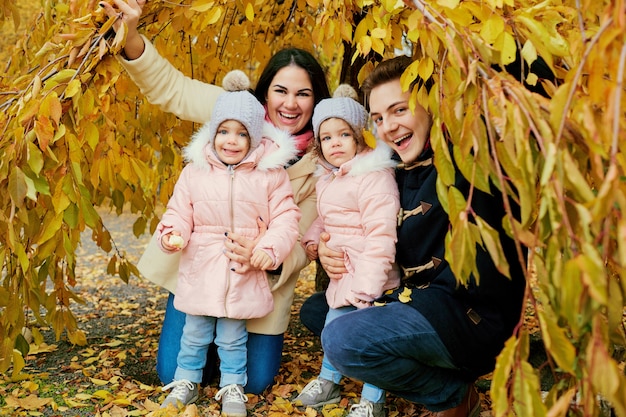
[(556, 341)]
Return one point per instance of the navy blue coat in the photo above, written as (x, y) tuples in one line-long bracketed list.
[(473, 321)]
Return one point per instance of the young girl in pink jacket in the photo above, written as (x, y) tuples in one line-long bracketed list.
[(357, 202), (235, 175)]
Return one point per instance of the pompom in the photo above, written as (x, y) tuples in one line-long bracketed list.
[(346, 90), (236, 80)]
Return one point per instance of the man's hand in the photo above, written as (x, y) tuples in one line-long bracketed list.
[(331, 260)]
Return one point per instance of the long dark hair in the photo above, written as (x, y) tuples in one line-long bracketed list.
[(304, 60)]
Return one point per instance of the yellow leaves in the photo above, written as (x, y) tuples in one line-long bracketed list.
[(31, 402), (405, 295)]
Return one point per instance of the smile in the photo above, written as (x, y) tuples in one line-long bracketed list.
[(399, 141), (289, 116)]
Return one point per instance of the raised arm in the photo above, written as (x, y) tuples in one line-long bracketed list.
[(162, 83)]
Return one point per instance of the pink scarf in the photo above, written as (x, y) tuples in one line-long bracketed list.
[(303, 140)]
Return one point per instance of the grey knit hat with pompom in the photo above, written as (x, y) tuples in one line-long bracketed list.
[(343, 105), (237, 103)]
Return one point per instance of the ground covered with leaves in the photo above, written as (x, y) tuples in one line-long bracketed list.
[(114, 374)]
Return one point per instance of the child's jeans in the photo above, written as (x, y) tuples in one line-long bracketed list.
[(230, 337), (330, 373)]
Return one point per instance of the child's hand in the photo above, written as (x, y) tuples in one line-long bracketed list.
[(261, 260), (172, 241), (311, 251), (359, 303)]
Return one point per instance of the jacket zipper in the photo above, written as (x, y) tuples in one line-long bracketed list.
[(231, 188)]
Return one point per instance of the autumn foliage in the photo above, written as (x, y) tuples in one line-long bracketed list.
[(77, 134)]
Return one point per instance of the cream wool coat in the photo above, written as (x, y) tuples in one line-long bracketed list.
[(210, 198), (357, 204), (193, 100)]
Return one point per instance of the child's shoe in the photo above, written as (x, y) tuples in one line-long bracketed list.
[(367, 408), (183, 392), (317, 393), (233, 401)]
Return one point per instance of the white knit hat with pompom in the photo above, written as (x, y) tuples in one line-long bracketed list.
[(343, 105), (237, 103)]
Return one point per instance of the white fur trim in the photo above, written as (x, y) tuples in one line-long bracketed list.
[(378, 159), (285, 148)]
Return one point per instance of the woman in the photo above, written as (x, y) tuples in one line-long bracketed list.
[(292, 83), (432, 337)]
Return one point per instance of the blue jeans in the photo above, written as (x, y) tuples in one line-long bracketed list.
[(264, 353), (330, 373), (230, 336), (395, 348), (313, 311)]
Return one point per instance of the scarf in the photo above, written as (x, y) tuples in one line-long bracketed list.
[(302, 140)]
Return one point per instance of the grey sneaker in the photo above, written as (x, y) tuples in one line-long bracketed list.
[(317, 393), (233, 401), (183, 392), (367, 409)]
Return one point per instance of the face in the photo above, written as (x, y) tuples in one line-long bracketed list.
[(232, 142), (337, 141), (290, 99), (404, 131)]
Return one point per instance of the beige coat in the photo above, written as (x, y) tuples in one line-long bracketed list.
[(193, 100)]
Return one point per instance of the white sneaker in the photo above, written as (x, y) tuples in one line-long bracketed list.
[(183, 392), (367, 408), (318, 392), (233, 401)]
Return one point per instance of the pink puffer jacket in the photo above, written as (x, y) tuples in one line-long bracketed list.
[(211, 199), (357, 205)]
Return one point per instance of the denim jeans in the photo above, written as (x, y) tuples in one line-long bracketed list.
[(264, 353), (329, 373), (313, 311), (395, 348), (230, 336)]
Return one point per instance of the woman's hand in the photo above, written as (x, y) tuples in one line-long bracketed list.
[(129, 13), (331, 260), (239, 249)]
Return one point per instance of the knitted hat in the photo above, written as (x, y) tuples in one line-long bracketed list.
[(343, 105), (237, 103)]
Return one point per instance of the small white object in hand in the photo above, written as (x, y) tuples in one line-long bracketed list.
[(176, 241)]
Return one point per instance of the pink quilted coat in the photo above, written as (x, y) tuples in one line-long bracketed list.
[(210, 199), (358, 205)]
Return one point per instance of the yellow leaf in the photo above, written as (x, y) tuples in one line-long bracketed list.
[(409, 75), (450, 4), (379, 33), (370, 139), (365, 45), (250, 12), (18, 363), (104, 394), (491, 29), (425, 68), (202, 5), (72, 88), (505, 43), (556, 341), (606, 375)]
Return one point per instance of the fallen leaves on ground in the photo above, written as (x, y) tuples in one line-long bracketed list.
[(114, 374)]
